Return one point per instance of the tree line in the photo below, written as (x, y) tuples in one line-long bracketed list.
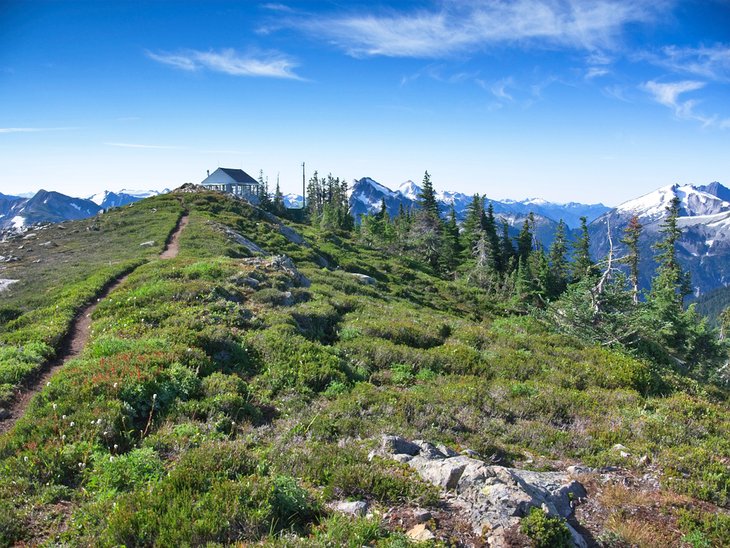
[(595, 300)]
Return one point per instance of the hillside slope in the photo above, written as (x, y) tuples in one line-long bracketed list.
[(233, 393)]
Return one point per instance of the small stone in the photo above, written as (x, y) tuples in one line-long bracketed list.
[(148, 243), (446, 450), (363, 278), (396, 445), (420, 533), (421, 516), (356, 508)]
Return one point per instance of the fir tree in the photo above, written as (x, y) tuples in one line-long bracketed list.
[(583, 266), (427, 197), (507, 250), (489, 225), (426, 231), (558, 261), (263, 193), (524, 242), (670, 282), (631, 241), (472, 223), (450, 247), (278, 205)]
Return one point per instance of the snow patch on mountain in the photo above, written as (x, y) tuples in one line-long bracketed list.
[(694, 202)]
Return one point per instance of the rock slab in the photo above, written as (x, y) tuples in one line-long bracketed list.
[(493, 498)]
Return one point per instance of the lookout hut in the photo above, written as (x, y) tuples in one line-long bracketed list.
[(232, 181)]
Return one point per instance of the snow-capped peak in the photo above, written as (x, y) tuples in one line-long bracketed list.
[(142, 193), (409, 189), (694, 202), (375, 185), (99, 197)]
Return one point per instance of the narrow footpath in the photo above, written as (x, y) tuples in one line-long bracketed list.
[(76, 338)]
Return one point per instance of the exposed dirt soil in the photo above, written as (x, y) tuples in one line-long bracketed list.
[(75, 340)]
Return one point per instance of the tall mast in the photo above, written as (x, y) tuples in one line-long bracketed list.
[(304, 186)]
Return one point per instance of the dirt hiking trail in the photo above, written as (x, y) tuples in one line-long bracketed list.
[(75, 340)]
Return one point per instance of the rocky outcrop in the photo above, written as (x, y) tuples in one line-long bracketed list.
[(276, 262), (493, 498), (242, 240), (363, 278)]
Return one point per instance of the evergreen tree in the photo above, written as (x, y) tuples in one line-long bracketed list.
[(471, 226), (383, 212), (426, 231), (670, 282), (263, 193), (507, 250), (524, 242), (558, 273), (631, 241), (450, 247), (427, 197), (724, 320), (583, 266), (489, 225), (278, 205)]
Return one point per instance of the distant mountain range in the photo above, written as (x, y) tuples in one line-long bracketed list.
[(705, 218), (704, 247), (44, 206), (367, 195)]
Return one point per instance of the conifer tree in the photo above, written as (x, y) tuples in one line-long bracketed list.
[(427, 197), (263, 193), (489, 225), (558, 261), (426, 231), (670, 284), (524, 242), (472, 224), (278, 205), (450, 247), (583, 266), (507, 250), (631, 241)]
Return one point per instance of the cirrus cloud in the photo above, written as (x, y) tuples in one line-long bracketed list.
[(455, 27), (229, 61)]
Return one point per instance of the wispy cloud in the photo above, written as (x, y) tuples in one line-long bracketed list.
[(499, 89), (669, 95), (462, 26), (229, 61), (596, 72), (33, 129), (712, 62), (274, 6), (137, 145)]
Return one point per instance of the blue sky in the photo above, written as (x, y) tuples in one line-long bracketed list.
[(589, 100)]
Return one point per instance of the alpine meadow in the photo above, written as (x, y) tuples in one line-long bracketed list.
[(420, 273)]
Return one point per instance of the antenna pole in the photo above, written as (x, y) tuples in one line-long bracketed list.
[(304, 192)]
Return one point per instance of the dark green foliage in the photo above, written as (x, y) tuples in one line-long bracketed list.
[(546, 531), (583, 265), (705, 530), (559, 270)]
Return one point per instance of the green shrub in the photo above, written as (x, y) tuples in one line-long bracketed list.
[(546, 531), (111, 474)]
